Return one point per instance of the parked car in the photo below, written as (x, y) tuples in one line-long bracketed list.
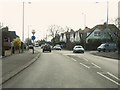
[(46, 48), (57, 47), (107, 47), (78, 48)]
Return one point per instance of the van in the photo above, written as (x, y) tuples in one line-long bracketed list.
[(107, 47)]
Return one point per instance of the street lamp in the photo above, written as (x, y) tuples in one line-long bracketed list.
[(23, 24), (84, 19), (107, 10), (23, 5)]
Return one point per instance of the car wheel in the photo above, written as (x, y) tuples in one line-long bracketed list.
[(104, 50), (114, 50), (43, 50), (98, 50)]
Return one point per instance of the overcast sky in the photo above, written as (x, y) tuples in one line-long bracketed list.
[(42, 13)]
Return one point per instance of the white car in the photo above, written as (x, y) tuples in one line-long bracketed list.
[(57, 47), (78, 48)]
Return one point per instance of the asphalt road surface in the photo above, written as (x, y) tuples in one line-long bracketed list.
[(63, 69)]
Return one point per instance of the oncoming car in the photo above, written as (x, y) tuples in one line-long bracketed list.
[(78, 49), (57, 47)]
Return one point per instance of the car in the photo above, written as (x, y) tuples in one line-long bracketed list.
[(42, 46), (30, 46), (78, 49), (46, 48), (107, 47), (36, 45), (57, 47)]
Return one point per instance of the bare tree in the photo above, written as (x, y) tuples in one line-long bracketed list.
[(55, 30), (117, 22)]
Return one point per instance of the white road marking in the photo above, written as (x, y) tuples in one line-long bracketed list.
[(73, 59), (72, 54), (85, 59), (108, 78), (70, 58), (113, 75), (84, 65), (96, 65)]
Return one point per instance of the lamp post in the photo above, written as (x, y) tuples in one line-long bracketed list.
[(84, 34), (23, 23), (107, 11), (84, 19), (23, 19)]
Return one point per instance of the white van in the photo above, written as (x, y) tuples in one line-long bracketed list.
[(107, 47)]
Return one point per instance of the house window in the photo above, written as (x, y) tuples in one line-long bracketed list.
[(97, 33)]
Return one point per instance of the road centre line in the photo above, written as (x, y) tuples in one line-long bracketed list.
[(84, 65), (113, 75), (108, 78), (96, 65)]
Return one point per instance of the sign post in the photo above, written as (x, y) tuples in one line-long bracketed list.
[(33, 38)]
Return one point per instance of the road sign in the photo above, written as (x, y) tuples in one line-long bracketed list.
[(33, 32), (33, 37)]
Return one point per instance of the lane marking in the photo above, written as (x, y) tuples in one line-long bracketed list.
[(85, 59), (73, 59), (84, 65), (96, 65), (108, 78), (70, 58), (113, 75)]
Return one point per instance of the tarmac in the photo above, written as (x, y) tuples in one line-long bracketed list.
[(15, 63)]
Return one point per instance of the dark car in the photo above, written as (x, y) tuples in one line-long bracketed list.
[(107, 47), (47, 48)]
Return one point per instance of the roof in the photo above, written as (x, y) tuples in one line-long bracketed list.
[(10, 34), (102, 27)]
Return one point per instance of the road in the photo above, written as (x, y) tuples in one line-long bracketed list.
[(63, 69)]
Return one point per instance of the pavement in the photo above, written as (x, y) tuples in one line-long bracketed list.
[(14, 64), (113, 55)]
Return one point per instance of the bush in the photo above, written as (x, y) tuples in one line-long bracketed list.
[(17, 43)]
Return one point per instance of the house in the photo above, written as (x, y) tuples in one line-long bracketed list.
[(101, 34), (7, 38), (104, 33), (77, 36), (61, 37), (72, 35)]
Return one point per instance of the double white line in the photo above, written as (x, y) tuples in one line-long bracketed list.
[(110, 78)]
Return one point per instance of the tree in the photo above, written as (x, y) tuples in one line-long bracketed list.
[(16, 44), (117, 22), (28, 41), (55, 30)]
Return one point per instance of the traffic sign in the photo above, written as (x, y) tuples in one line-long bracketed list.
[(33, 37)]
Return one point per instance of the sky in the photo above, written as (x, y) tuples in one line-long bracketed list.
[(40, 14)]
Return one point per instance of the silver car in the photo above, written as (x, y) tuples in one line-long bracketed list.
[(78, 49)]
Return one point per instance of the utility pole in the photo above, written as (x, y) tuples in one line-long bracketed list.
[(23, 23)]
